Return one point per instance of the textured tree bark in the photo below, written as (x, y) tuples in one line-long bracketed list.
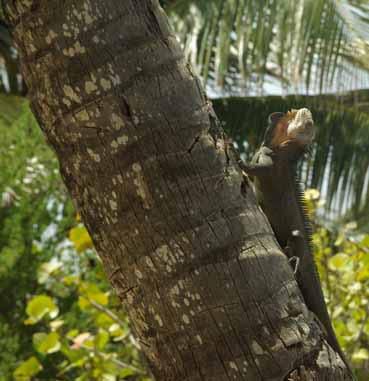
[(209, 293)]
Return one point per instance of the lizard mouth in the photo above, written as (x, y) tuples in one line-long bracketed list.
[(301, 128)]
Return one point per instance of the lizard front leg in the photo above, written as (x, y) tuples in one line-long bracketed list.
[(255, 170)]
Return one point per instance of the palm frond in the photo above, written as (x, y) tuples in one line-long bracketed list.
[(9, 70), (301, 44)]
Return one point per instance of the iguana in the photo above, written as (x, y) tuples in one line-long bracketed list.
[(273, 170)]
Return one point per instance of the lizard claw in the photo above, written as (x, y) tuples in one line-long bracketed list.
[(297, 263)]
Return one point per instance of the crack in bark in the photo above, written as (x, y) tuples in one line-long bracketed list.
[(192, 146)]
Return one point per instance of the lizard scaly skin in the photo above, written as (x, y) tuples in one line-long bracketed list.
[(273, 169)]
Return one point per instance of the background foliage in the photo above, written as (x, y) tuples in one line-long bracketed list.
[(301, 45)]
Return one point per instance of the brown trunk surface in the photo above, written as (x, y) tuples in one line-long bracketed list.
[(188, 251)]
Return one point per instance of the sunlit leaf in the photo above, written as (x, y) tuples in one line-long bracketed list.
[(40, 306), (70, 279), (56, 324), (365, 242), (46, 343), (312, 194), (127, 372), (103, 320), (361, 355), (27, 369), (101, 339), (83, 303), (363, 274), (116, 330), (72, 333), (338, 261), (80, 238), (93, 293), (109, 377)]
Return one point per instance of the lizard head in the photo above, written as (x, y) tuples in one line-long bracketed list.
[(296, 128)]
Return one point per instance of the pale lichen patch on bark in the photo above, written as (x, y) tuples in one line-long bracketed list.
[(71, 94), (256, 348), (120, 140), (96, 157), (138, 274), (175, 304), (50, 37), (90, 87), (105, 84), (199, 339), (233, 366), (186, 319), (117, 121), (159, 320), (73, 51), (141, 186), (113, 205), (88, 16), (82, 116), (150, 264), (67, 102), (136, 120)]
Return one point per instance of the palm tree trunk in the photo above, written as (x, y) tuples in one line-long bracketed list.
[(192, 258)]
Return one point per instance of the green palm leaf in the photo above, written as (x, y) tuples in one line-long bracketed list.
[(243, 43)]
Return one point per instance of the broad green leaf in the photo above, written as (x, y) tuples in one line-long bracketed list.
[(76, 358), (83, 303), (101, 339), (46, 343), (338, 261), (365, 241), (109, 377), (127, 372), (102, 320), (361, 355), (340, 239), (71, 279), (40, 306), (93, 293), (116, 330), (98, 297), (72, 333), (363, 274), (27, 369), (80, 238)]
